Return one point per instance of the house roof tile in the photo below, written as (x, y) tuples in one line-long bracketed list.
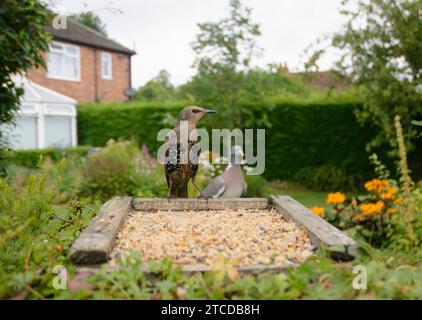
[(78, 33)]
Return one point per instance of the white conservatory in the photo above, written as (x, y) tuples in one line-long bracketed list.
[(45, 119)]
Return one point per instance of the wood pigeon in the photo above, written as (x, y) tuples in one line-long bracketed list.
[(231, 183)]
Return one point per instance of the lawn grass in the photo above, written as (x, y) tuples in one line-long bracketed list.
[(308, 198)]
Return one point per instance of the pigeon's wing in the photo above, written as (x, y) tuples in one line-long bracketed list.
[(215, 188)]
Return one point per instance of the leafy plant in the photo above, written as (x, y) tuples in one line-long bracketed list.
[(390, 214), (321, 140), (157, 89), (34, 236), (23, 39), (120, 169), (224, 50), (256, 186), (418, 124), (382, 54), (317, 278)]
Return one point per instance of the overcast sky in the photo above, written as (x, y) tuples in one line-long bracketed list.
[(161, 30)]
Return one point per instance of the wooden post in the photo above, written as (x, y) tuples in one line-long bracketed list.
[(320, 231), (96, 241)]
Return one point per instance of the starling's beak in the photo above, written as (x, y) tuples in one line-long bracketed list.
[(210, 111)]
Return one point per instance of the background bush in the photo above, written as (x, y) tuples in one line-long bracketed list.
[(97, 123), (121, 169), (31, 158), (319, 144)]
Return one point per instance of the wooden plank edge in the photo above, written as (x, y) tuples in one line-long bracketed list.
[(95, 243), (320, 231), (189, 269), (155, 204)]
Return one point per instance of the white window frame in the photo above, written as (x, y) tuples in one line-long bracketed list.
[(110, 75), (78, 57)]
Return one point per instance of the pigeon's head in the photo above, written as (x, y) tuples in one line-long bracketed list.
[(193, 114), (236, 155)]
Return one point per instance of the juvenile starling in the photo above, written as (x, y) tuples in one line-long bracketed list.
[(231, 183), (182, 152)]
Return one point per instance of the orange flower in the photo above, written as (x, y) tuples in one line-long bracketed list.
[(398, 201), (336, 198), (390, 193), (358, 218), (371, 208), (318, 211), (377, 185)]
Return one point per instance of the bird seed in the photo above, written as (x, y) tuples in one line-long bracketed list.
[(241, 237)]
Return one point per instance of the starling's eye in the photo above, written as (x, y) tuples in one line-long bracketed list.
[(196, 110)]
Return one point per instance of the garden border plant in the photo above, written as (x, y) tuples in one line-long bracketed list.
[(318, 144)]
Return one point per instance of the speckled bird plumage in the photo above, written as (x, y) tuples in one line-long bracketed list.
[(179, 173)]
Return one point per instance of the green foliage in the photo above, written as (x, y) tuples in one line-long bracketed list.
[(319, 143), (23, 39), (254, 86), (140, 121), (326, 177), (158, 89), (317, 278), (91, 20), (119, 170), (31, 158), (418, 124), (389, 214), (382, 53), (34, 236), (256, 186), (224, 50)]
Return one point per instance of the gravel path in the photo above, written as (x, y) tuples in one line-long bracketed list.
[(243, 237)]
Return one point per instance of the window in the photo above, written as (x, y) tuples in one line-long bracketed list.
[(63, 61), (24, 134), (106, 65), (58, 132)]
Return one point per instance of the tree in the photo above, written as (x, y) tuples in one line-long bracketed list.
[(157, 89), (91, 20), (23, 38), (224, 50), (382, 51)]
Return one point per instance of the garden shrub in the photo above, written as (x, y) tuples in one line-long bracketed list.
[(98, 123), (34, 236), (320, 144), (119, 170), (256, 186), (30, 158), (389, 213)]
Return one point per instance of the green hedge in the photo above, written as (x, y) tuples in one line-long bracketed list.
[(320, 145), (30, 158), (140, 121)]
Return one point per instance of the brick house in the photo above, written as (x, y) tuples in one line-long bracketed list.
[(322, 79), (85, 65)]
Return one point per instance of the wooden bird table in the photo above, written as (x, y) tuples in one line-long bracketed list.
[(268, 224)]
